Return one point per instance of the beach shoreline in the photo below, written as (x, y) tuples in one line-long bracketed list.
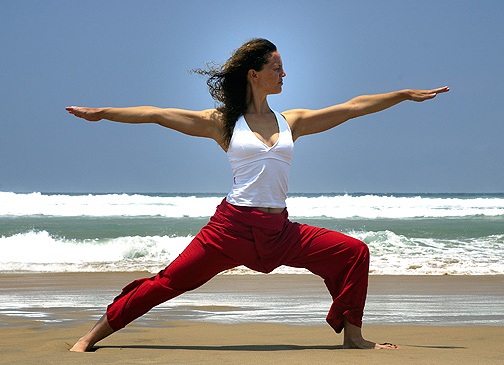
[(161, 337)]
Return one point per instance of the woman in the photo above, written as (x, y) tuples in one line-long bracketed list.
[(251, 226)]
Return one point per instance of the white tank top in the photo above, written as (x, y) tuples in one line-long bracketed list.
[(260, 172)]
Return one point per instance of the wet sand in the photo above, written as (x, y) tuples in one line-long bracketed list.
[(162, 339)]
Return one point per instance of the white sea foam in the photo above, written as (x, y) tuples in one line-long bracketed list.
[(334, 206), (374, 206), (39, 251), (390, 254), (393, 254), (106, 205)]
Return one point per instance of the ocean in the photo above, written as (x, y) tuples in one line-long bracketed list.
[(408, 234)]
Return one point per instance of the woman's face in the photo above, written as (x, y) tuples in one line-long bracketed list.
[(270, 78)]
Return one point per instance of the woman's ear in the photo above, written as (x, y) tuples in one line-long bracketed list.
[(252, 74)]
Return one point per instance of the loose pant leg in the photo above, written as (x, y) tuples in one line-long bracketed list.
[(197, 264), (343, 262)]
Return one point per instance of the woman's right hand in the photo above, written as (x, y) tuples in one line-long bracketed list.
[(90, 114)]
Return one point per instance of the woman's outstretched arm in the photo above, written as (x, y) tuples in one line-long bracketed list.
[(204, 123), (306, 121)]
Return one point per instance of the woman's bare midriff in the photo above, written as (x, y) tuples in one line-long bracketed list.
[(270, 210)]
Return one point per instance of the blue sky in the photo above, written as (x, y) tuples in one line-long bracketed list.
[(121, 53)]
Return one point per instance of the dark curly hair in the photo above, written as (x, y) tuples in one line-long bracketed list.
[(228, 83)]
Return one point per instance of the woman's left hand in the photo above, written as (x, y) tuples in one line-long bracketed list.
[(422, 95)]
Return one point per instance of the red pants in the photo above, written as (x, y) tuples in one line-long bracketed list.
[(261, 241)]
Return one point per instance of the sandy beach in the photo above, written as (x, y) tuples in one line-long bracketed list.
[(161, 338)]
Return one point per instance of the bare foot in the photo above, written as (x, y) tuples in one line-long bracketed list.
[(354, 340), (101, 330), (81, 346), (364, 344)]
